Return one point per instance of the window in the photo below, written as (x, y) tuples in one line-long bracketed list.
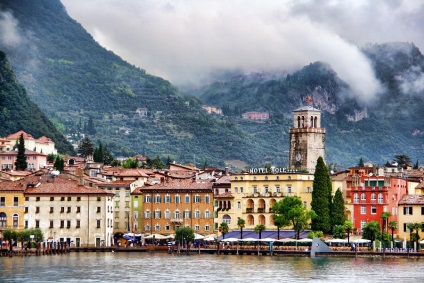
[(26, 209), (15, 220), (62, 199), (157, 214), (241, 190), (197, 214), (68, 224), (373, 196), (167, 214), (186, 214), (227, 219), (207, 214), (116, 194), (78, 209), (363, 223), (147, 227), (69, 198), (51, 209), (235, 190), (167, 227), (62, 209), (207, 199), (157, 227), (157, 198), (363, 196), (116, 214), (177, 199), (15, 201), (51, 224), (177, 214), (127, 204), (116, 225), (117, 204), (167, 199), (422, 210), (2, 201), (239, 205), (127, 194), (98, 223), (363, 209), (380, 198), (69, 209), (196, 227), (62, 223), (147, 214), (405, 227), (78, 225), (148, 199), (78, 198), (37, 199), (197, 199), (51, 198), (187, 199), (37, 209), (373, 210), (407, 210), (37, 223), (207, 227), (355, 198)]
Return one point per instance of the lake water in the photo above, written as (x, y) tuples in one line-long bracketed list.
[(161, 267)]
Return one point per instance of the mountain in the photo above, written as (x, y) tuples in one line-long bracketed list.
[(75, 81), (18, 112)]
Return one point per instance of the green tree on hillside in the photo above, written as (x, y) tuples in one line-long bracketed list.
[(86, 148), (21, 159), (416, 165), (321, 194)]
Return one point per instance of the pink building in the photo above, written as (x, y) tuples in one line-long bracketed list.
[(35, 160)]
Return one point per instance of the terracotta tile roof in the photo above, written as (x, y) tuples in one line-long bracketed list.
[(224, 180), (18, 134), (44, 139), (131, 173), (115, 183), (8, 186), (224, 195), (412, 200), (27, 152), (47, 185), (186, 185)]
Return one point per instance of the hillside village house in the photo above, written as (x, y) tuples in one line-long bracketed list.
[(35, 160), (255, 115), (177, 203), (68, 211), (411, 210), (42, 145)]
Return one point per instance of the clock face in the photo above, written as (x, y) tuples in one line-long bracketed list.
[(298, 157)]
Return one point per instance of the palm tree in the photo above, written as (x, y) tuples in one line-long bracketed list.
[(258, 229), (348, 228), (223, 229), (241, 223), (385, 216), (371, 231), (393, 225), (415, 237)]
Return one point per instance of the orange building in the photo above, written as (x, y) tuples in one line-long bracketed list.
[(12, 202), (177, 203)]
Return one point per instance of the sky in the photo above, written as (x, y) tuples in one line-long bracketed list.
[(188, 41)]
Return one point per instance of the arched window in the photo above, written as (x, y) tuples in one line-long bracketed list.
[(207, 214), (363, 196), (147, 227), (373, 196), (250, 220), (298, 121), (312, 121), (167, 214), (147, 214), (15, 220), (380, 198), (355, 198), (227, 219), (315, 122), (3, 219), (303, 122)]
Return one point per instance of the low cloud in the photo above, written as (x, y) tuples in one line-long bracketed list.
[(9, 35)]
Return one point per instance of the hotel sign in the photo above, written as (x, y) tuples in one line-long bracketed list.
[(272, 170)]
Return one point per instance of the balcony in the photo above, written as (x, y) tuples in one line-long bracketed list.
[(261, 210), (249, 210), (176, 220)]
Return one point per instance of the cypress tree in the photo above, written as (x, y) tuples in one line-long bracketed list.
[(21, 159), (320, 198), (338, 216)]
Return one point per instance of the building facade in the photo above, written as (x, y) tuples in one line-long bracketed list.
[(11, 206), (411, 210)]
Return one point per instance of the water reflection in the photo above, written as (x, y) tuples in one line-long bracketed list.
[(138, 267)]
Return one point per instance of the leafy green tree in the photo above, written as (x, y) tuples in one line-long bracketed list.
[(280, 222), (371, 231), (241, 224), (11, 236), (392, 226), (338, 232), (348, 228), (321, 195), (223, 229), (130, 163), (158, 163), (361, 163), (51, 157), (402, 160), (317, 234), (258, 229), (338, 216), (184, 234), (86, 148), (21, 163), (91, 130), (292, 212), (59, 164), (168, 161)]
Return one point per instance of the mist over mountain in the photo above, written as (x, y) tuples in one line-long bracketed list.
[(73, 79)]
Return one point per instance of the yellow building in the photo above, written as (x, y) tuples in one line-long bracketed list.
[(411, 210), (252, 195), (12, 206)]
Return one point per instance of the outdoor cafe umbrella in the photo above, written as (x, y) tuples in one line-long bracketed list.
[(157, 237)]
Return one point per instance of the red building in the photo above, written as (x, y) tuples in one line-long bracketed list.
[(371, 195)]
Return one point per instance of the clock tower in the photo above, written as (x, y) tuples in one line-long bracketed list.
[(307, 139)]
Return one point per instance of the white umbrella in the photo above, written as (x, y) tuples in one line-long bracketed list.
[(285, 240), (230, 240), (210, 237), (268, 240), (305, 240), (249, 240), (198, 236), (157, 236), (337, 241)]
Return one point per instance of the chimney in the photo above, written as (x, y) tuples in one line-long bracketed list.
[(80, 176), (226, 171)]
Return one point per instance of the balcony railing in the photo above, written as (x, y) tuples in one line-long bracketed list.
[(249, 210), (176, 220), (261, 210)]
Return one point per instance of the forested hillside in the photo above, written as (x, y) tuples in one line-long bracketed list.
[(18, 112)]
